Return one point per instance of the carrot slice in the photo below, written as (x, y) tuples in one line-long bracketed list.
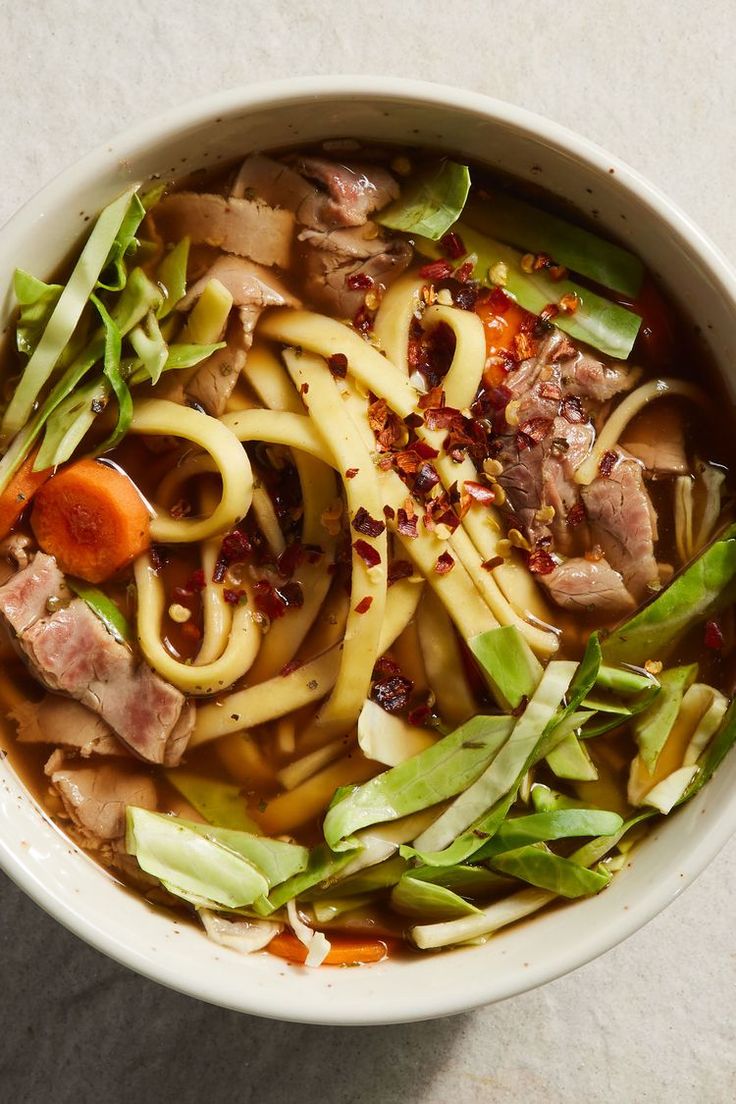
[(19, 491), (344, 951), (92, 519), (502, 319)]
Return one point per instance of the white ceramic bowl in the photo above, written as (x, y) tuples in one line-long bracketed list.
[(78, 893)]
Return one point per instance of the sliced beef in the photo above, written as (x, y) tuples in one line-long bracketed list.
[(346, 196), (622, 520), (212, 383), (543, 476), (249, 284), (71, 651), (278, 185), (586, 586), (95, 798), (559, 362), (26, 596), (65, 723), (240, 226), (253, 288), (656, 437), (353, 191), (335, 257)]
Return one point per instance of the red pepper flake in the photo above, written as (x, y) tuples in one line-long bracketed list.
[(338, 365), (523, 442), (398, 569), (464, 272), (436, 270), (575, 515), (368, 554), (572, 409), (385, 424), (235, 548), (406, 525), (499, 301), (442, 417), (304, 389), (359, 281), (540, 562), (288, 668), (291, 594), (419, 716), (433, 397), (549, 313), (493, 563), (268, 600), (365, 524), (351, 473), (233, 597), (479, 492), (607, 464), (393, 693), (364, 604), (551, 391), (713, 636), (407, 461), (385, 666), (536, 429), (425, 451), (190, 629), (445, 564), (363, 321), (290, 559), (524, 346), (195, 582), (453, 245), (426, 479), (389, 512)]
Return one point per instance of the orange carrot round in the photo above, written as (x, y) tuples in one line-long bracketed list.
[(92, 519), (19, 491), (502, 322), (345, 951)]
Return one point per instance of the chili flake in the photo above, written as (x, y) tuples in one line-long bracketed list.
[(338, 365), (364, 604), (368, 554), (436, 270), (364, 523), (393, 693), (445, 564), (713, 636), (607, 464), (453, 245)]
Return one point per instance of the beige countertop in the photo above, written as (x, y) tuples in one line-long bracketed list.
[(651, 1021)]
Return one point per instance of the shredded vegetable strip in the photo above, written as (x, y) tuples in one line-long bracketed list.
[(66, 314)]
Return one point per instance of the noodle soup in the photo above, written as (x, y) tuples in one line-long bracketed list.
[(366, 560)]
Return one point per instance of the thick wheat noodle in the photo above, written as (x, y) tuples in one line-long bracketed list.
[(309, 683), (443, 661), (268, 522), (158, 416), (325, 336), (270, 381), (360, 645), (625, 411), (392, 326), (210, 678), (484, 589), (510, 593), (217, 614)]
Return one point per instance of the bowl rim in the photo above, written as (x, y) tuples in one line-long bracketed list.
[(157, 128)]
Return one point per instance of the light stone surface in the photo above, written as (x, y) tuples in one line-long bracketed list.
[(653, 1020)]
